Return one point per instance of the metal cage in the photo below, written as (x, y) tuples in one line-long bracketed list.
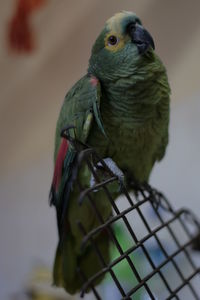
[(174, 234)]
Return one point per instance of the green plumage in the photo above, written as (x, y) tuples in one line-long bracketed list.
[(120, 108)]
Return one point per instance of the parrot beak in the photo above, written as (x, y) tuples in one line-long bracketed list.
[(141, 37)]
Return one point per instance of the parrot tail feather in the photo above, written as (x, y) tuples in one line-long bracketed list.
[(68, 262)]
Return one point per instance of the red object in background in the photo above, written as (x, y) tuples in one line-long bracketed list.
[(20, 34)]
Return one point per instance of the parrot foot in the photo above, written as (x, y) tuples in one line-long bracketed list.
[(114, 169)]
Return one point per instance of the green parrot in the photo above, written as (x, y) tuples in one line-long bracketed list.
[(121, 109)]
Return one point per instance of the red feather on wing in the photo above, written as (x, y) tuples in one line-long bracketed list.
[(59, 164)]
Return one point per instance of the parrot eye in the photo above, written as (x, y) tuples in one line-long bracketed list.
[(112, 40)]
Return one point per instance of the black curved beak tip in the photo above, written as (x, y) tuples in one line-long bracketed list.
[(142, 38)]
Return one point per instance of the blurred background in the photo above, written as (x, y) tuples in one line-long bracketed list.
[(33, 84)]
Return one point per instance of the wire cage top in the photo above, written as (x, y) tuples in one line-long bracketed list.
[(151, 243)]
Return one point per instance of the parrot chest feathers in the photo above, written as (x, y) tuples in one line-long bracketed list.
[(135, 128), (133, 147)]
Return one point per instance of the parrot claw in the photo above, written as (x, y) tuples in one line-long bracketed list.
[(93, 181), (122, 184), (114, 170), (65, 131)]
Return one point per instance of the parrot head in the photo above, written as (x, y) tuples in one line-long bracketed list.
[(121, 48)]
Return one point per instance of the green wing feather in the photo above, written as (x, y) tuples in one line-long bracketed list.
[(80, 108), (80, 105)]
